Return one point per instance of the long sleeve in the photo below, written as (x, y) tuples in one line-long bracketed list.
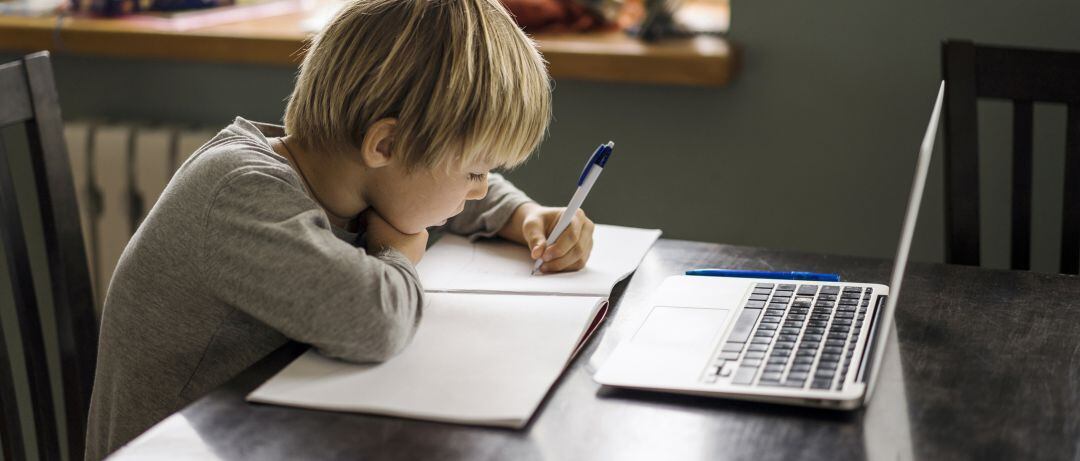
[(484, 217), (276, 259)]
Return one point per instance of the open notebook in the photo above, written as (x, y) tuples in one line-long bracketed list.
[(492, 340)]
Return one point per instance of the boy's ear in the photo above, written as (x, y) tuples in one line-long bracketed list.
[(376, 148)]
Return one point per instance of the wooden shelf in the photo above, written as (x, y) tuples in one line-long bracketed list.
[(279, 40)]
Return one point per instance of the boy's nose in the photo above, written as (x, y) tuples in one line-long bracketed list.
[(478, 192)]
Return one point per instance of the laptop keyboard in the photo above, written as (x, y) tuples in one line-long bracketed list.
[(796, 336)]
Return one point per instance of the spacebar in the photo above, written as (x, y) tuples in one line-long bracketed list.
[(744, 325)]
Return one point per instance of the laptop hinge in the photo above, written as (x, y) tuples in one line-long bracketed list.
[(872, 340)]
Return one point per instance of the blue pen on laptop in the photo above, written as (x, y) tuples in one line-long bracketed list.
[(592, 170), (808, 276)]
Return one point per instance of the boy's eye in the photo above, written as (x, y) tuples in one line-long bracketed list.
[(477, 176)]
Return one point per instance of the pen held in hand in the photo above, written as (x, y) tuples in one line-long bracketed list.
[(592, 170)]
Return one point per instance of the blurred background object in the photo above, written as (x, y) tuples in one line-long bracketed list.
[(680, 18), (563, 15), (651, 20)]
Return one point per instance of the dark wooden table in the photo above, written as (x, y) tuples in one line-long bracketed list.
[(982, 364)]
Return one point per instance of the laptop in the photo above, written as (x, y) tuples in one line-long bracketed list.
[(806, 343)]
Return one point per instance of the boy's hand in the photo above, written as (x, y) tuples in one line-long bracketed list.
[(530, 226), (381, 234)]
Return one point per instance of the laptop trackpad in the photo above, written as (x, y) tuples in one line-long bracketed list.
[(682, 331)]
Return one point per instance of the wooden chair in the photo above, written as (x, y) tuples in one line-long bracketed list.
[(30, 99), (1024, 76)]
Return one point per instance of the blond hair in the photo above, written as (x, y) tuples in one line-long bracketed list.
[(464, 82)]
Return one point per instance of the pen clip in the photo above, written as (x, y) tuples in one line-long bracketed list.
[(598, 158)]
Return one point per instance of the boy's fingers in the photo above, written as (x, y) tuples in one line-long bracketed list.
[(570, 262), (568, 240)]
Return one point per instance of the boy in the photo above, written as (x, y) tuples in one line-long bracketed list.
[(311, 231)]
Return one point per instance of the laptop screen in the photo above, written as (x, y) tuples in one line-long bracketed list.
[(922, 168)]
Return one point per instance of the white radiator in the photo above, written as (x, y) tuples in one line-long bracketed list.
[(119, 171)]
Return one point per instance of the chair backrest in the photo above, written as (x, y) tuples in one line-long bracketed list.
[(1024, 76), (30, 99)]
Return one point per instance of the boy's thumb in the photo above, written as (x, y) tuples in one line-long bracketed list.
[(534, 235)]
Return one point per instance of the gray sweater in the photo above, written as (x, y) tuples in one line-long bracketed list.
[(234, 260)]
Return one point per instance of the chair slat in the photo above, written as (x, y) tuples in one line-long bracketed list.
[(76, 322), (11, 434), (1021, 185), (1070, 223), (16, 106), (27, 312), (1028, 74), (961, 155)]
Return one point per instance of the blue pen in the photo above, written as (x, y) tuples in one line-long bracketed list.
[(592, 170), (810, 276)]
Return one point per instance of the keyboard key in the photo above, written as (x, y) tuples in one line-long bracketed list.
[(798, 375), (812, 337), (787, 338), (852, 290), (790, 331), (774, 311), (777, 299), (744, 375), (744, 325), (774, 367), (842, 322), (796, 317), (770, 377), (732, 347), (821, 384), (840, 336), (832, 350), (786, 287), (801, 366), (830, 289), (756, 297), (824, 374), (793, 324), (760, 340), (755, 304), (826, 366), (785, 353), (784, 345), (795, 383), (755, 354), (809, 345), (758, 347), (807, 353), (830, 358), (764, 285), (815, 330), (770, 326), (751, 362), (774, 360), (808, 290), (831, 342), (773, 319), (728, 355)]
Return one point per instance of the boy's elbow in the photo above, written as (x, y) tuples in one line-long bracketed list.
[(383, 336), (393, 338)]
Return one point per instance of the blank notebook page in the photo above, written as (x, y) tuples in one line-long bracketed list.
[(454, 264), (475, 358)]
